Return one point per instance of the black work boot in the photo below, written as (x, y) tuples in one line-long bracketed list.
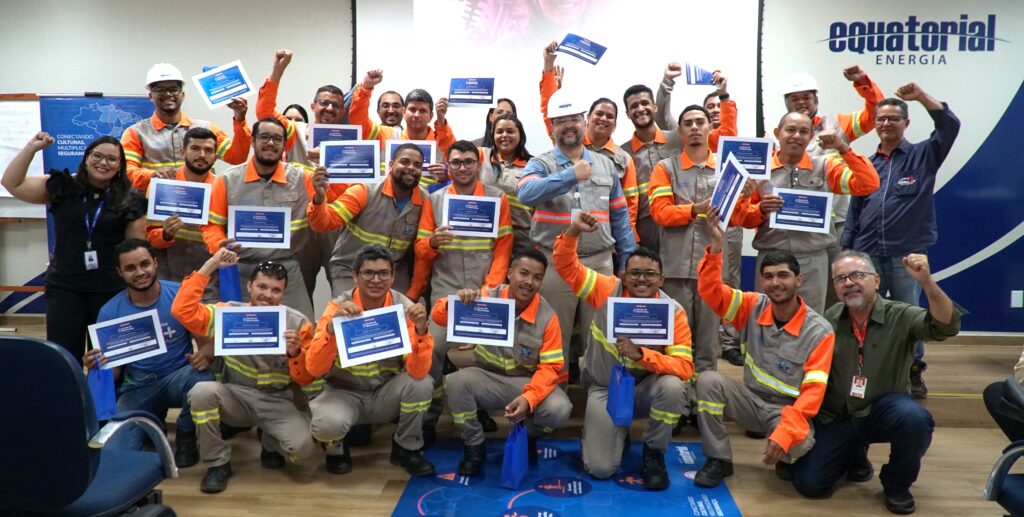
[(655, 475), (472, 463), (917, 388), (415, 463), (733, 356), (186, 450), (359, 435), (270, 459), (340, 463), (712, 473), (899, 501), (216, 479), (486, 422)]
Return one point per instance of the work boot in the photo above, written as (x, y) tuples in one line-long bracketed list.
[(472, 463), (860, 469), (270, 459), (531, 444), (917, 388), (734, 356), (899, 501), (755, 435), (414, 462), (228, 432), (784, 471), (486, 422), (340, 463), (655, 475), (429, 435), (712, 473), (216, 479), (359, 435), (186, 450)]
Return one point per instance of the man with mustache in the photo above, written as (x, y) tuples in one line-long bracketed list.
[(868, 398)]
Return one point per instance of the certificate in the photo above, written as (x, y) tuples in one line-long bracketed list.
[(471, 216), (332, 132), (754, 154), (803, 211), (188, 200), (429, 148), (372, 336), (218, 86), (645, 321), (471, 90), (486, 321), (728, 189), (698, 76), (260, 226), (351, 161), (248, 330), (582, 48), (128, 339)]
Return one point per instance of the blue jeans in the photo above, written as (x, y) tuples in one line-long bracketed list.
[(897, 284), (156, 394), (895, 418)]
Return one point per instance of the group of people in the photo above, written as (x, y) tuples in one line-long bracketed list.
[(578, 224)]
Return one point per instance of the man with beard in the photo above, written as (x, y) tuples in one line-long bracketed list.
[(788, 353), (386, 213), (153, 146), (265, 181), (868, 398), (391, 109), (154, 384)]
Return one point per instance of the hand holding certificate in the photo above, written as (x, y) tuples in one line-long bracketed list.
[(645, 321), (471, 91), (803, 211), (260, 226), (727, 191), (188, 200), (128, 339), (471, 216), (351, 161), (484, 321), (581, 48), (249, 330), (372, 336), (754, 154), (218, 86)]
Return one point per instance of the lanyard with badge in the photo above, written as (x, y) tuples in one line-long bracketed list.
[(91, 259), (859, 386), (577, 202)]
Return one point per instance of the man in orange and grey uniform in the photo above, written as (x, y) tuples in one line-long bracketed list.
[(377, 392), (253, 389), (385, 213), (153, 146), (788, 356), (265, 181), (791, 167), (521, 379), (661, 372), (450, 262)]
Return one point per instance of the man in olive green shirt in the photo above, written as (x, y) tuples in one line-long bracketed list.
[(868, 396)]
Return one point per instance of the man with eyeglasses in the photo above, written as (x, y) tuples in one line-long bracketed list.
[(788, 353), (252, 390), (899, 218), (661, 372), (153, 146), (378, 392), (868, 399), (266, 181), (560, 183)]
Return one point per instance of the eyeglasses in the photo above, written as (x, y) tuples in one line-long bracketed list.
[(572, 119), (97, 156), (269, 266), (887, 119), (368, 274), (264, 139), (650, 275), (324, 103), (160, 90), (856, 276), (458, 164)]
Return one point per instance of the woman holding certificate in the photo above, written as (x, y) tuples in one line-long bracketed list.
[(93, 210)]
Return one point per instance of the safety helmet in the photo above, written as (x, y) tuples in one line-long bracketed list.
[(561, 104), (800, 82), (163, 72)]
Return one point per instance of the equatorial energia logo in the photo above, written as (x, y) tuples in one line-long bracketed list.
[(914, 41)]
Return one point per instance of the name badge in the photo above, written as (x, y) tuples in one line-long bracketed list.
[(92, 260), (858, 387)]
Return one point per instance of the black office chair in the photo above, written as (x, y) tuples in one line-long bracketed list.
[(52, 460), (1005, 488)]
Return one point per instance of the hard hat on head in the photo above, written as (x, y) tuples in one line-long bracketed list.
[(163, 72), (800, 82), (561, 104)]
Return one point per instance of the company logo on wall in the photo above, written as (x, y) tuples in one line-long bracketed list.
[(914, 41)]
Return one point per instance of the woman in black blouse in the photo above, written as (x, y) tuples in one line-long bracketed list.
[(93, 211)]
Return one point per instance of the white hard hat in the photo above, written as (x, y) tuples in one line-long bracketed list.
[(163, 72), (561, 104), (800, 82)]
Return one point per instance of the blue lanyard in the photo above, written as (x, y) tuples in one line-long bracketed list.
[(90, 223)]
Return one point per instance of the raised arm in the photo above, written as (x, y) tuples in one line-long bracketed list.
[(854, 174), (266, 102), (663, 118), (29, 190)]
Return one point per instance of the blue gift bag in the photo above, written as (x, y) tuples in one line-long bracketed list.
[(516, 461), (101, 386), (230, 286), (620, 395)]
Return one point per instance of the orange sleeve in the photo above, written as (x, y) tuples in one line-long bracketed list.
[(328, 216), (677, 358), (214, 230), (359, 113), (307, 177), (297, 364), (233, 150), (439, 313), (748, 212), (664, 210), (545, 378), (133, 153), (586, 283), (853, 175), (155, 236), (548, 87), (323, 349), (417, 364), (425, 254), (855, 125), (731, 304), (631, 190), (444, 136), (188, 309), (502, 254), (726, 124), (266, 106), (793, 426)]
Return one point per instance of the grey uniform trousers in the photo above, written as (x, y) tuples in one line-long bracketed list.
[(704, 323)]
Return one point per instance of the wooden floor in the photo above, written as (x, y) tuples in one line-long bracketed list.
[(953, 476)]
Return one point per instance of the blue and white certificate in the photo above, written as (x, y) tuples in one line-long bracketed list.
[(582, 48), (754, 154), (645, 321), (128, 339), (332, 133), (429, 148), (260, 226), (372, 336), (698, 76), (803, 211), (728, 189), (471, 90), (188, 200), (218, 86), (249, 330), (486, 321), (351, 161), (471, 216)]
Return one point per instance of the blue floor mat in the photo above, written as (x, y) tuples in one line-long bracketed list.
[(558, 487)]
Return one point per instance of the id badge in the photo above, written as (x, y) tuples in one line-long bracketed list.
[(858, 387), (92, 261), (574, 214)]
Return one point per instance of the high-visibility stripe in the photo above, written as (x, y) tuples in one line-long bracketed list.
[(150, 165), (505, 363), (552, 356), (223, 148), (415, 407), (683, 350), (662, 191), (858, 131), (504, 230), (202, 417), (844, 181), (552, 217), (216, 218), (774, 383), (374, 238), (343, 212), (306, 166), (609, 347), (460, 418), (528, 178), (631, 191), (618, 202), (132, 156), (665, 417), (711, 408), (298, 224), (244, 369), (209, 321), (588, 284), (189, 235), (423, 233), (314, 386), (367, 370), (734, 305), (514, 203), (643, 188), (815, 376)]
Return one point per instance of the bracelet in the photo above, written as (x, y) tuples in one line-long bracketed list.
[(723, 98)]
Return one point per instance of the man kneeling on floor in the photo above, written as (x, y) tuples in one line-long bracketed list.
[(788, 353), (661, 372), (253, 389), (521, 379)]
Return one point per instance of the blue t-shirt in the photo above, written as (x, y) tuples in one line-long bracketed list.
[(177, 338)]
